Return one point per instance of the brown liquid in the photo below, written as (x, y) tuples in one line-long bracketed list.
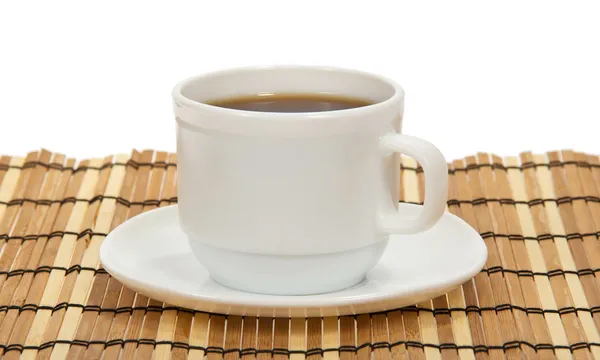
[(290, 103)]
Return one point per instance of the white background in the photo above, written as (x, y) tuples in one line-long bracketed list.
[(91, 80)]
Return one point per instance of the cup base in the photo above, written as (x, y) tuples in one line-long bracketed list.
[(288, 274)]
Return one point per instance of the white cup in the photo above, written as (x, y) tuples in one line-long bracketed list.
[(296, 203)]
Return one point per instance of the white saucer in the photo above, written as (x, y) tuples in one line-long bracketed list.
[(150, 254)]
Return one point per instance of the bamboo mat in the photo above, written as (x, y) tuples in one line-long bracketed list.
[(538, 296)]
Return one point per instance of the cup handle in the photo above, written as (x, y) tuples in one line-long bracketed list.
[(436, 184)]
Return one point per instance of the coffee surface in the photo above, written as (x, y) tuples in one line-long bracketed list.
[(290, 103)]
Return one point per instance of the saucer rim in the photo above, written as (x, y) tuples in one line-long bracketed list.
[(262, 301)]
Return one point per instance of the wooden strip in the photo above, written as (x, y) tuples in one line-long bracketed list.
[(89, 322), (31, 183), (103, 322), (410, 182), (151, 322), (16, 253), (165, 333), (249, 330), (76, 286), (577, 216), (128, 325), (522, 330), (413, 334), (331, 337), (130, 183), (363, 336), (429, 330), (444, 328), (589, 186), (461, 328), (380, 336), (576, 219), (535, 331), (314, 337), (479, 292), (181, 335), (492, 289), (264, 337), (71, 252), (109, 183), (348, 336), (281, 336), (9, 218), (44, 255), (556, 255), (572, 253), (198, 336), (536, 257), (216, 336), (10, 178), (410, 192), (580, 183), (86, 323), (19, 322), (297, 337), (166, 327), (144, 323), (46, 323), (233, 336), (397, 335), (4, 167), (104, 329), (594, 160)]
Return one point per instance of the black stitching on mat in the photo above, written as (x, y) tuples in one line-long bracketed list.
[(71, 199), (279, 351), (494, 269), (436, 311), (478, 201), (580, 345), (498, 166), (115, 342), (243, 352), (175, 344), (480, 348), (411, 308), (315, 351), (80, 343), (441, 311), (33, 237), (131, 163), (515, 344), (541, 237), (551, 273), (172, 200), (14, 347), (490, 270), (531, 203), (545, 237), (162, 164), (147, 342)]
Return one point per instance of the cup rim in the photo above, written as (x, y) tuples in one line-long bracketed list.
[(181, 100)]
